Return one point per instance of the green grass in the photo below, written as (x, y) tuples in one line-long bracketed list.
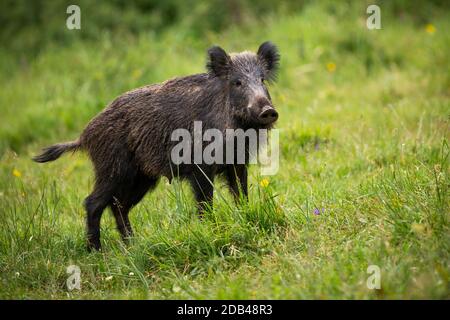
[(367, 143)]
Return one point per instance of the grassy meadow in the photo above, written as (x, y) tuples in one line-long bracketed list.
[(363, 179)]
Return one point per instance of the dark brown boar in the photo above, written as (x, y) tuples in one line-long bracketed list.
[(129, 142)]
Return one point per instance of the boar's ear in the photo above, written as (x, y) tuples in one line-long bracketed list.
[(269, 56), (219, 62)]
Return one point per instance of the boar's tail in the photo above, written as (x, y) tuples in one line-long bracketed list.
[(54, 152)]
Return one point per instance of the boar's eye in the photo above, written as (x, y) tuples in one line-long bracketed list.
[(237, 83)]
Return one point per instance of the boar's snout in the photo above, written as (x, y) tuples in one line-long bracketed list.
[(268, 115)]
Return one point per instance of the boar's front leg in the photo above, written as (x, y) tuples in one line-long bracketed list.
[(237, 180), (202, 182)]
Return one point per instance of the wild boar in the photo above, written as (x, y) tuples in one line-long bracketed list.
[(130, 143)]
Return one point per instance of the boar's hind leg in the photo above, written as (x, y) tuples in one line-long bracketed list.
[(128, 196), (95, 203), (202, 183)]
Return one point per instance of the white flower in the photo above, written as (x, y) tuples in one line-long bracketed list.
[(176, 289)]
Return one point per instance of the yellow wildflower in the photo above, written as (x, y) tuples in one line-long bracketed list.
[(429, 28), (418, 228), (264, 182), (98, 75), (137, 73), (16, 173), (331, 67)]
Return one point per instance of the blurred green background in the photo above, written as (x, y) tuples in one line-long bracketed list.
[(364, 129), (33, 31), (32, 25)]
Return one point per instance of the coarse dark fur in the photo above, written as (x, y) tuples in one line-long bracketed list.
[(129, 142)]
